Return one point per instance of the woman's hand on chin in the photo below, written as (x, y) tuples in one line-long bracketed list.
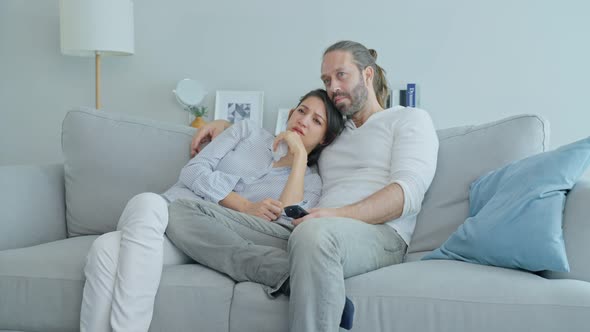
[(294, 142)]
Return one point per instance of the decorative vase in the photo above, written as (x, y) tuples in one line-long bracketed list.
[(198, 122)]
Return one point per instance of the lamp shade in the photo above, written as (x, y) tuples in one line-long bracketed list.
[(88, 27)]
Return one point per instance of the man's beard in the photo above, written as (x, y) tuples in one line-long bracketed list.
[(358, 99)]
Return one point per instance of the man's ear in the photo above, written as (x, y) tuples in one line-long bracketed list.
[(368, 74)]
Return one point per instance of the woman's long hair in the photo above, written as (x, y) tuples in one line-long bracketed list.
[(334, 121)]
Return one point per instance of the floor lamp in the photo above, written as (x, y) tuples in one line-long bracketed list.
[(96, 28)]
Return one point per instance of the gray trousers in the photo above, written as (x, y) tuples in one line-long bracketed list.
[(318, 255)]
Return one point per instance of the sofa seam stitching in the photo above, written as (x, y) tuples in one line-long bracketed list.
[(500, 122), (138, 121)]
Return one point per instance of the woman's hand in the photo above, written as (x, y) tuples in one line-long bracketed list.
[(206, 134), (294, 142), (267, 209)]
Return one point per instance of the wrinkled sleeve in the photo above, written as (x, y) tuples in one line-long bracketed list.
[(414, 157), (312, 191), (200, 174)]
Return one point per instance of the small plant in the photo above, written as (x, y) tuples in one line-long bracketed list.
[(196, 111)]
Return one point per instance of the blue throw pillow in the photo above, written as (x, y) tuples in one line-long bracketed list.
[(515, 215)]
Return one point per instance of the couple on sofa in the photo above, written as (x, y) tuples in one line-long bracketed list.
[(226, 211)]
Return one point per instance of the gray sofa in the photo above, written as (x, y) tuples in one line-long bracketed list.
[(51, 214)]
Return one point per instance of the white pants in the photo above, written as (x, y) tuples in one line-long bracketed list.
[(123, 268)]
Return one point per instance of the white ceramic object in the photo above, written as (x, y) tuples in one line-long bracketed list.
[(189, 92)]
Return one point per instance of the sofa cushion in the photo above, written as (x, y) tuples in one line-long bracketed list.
[(576, 231), (192, 297), (437, 296), (459, 296), (466, 153), (516, 213), (253, 310), (41, 286), (110, 158), (33, 205), (41, 290)]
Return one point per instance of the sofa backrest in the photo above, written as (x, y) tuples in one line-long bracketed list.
[(111, 157), (466, 153)]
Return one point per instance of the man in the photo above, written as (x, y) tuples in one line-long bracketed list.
[(374, 177)]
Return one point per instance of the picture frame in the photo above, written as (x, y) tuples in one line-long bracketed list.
[(235, 106), (282, 117)]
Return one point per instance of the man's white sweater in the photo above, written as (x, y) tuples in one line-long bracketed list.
[(397, 145)]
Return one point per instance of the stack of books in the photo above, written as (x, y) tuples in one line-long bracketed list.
[(407, 97)]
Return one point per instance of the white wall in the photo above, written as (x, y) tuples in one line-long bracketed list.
[(475, 61)]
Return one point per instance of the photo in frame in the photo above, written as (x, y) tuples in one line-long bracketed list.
[(282, 117), (235, 106)]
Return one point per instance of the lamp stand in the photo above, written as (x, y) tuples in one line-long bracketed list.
[(97, 82)]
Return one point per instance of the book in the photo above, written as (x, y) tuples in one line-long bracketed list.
[(402, 97), (411, 95)]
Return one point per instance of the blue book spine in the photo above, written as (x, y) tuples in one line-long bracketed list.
[(411, 95)]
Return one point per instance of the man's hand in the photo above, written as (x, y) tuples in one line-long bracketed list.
[(318, 213), (267, 209), (206, 134)]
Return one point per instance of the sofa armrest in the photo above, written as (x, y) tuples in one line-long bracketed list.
[(32, 205), (576, 232)]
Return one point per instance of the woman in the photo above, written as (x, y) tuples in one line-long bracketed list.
[(236, 171)]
